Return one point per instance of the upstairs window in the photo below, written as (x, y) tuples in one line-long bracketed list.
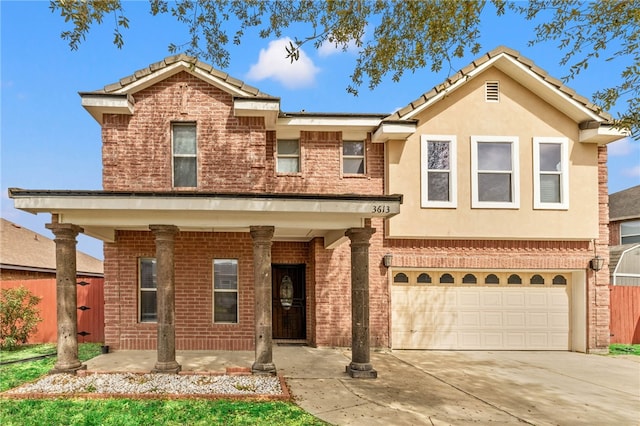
[(353, 160), (495, 172), (438, 171), (185, 160), (550, 168), (288, 156), (148, 286), (630, 232)]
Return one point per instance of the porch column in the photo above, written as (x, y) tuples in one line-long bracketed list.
[(262, 236), (165, 235), (66, 296), (360, 366)]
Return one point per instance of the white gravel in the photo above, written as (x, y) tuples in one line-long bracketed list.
[(155, 384)]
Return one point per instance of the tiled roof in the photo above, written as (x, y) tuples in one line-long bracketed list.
[(464, 72), (625, 204), (194, 62), (23, 248)]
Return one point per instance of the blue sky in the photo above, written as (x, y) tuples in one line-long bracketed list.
[(48, 141)]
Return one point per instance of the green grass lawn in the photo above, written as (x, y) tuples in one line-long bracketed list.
[(620, 349), (125, 412)]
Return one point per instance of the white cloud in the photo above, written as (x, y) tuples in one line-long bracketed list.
[(328, 48), (620, 148), (632, 172), (273, 63)]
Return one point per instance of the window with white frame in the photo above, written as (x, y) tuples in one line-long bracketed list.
[(495, 181), (630, 232), (438, 171), (353, 159), (148, 290), (185, 152), (288, 156), (551, 173), (225, 291)]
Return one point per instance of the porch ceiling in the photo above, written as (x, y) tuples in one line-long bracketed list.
[(296, 217)]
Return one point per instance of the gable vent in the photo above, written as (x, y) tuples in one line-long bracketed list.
[(492, 91)]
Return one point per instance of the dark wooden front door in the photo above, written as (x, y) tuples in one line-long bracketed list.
[(289, 323)]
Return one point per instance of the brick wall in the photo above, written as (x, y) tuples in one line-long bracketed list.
[(235, 154), (614, 232), (598, 310)]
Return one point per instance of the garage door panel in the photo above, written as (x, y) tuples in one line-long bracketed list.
[(491, 339), (558, 320), (515, 319), (470, 339), (491, 298), (514, 299), (468, 319), (537, 320), (482, 317), (491, 319), (469, 299)]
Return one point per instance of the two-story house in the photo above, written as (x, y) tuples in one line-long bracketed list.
[(467, 220)]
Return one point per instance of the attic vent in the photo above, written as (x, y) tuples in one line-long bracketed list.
[(492, 91)]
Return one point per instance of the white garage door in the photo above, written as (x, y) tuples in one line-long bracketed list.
[(499, 311)]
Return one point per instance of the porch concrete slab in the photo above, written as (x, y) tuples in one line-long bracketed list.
[(144, 361), (437, 387)]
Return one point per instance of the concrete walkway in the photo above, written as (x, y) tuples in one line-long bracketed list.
[(438, 387)]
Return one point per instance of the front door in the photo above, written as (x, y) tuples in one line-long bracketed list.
[(289, 322)]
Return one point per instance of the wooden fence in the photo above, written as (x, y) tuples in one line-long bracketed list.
[(90, 308), (625, 314)]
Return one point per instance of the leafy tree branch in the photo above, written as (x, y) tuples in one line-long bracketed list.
[(405, 35)]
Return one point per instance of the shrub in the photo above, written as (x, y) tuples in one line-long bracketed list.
[(19, 316)]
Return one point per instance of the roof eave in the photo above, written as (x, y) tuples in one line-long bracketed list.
[(98, 104), (600, 133), (268, 108)]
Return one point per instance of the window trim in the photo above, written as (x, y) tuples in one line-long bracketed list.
[(564, 173), (175, 124), (623, 235), (363, 157), (453, 171), (140, 290), (214, 291), (515, 173), (299, 157)]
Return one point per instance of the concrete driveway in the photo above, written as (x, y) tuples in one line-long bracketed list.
[(437, 387), (459, 388)]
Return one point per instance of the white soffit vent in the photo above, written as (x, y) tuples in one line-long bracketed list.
[(492, 91)]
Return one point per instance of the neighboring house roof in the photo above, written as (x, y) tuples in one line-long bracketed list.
[(24, 249), (624, 205)]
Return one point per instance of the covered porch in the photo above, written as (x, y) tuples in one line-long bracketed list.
[(265, 217)]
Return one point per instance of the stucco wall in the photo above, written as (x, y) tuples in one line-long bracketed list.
[(520, 113)]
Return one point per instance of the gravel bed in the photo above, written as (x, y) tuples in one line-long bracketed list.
[(155, 384)]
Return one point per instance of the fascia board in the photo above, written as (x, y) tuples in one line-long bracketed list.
[(328, 124), (40, 204)]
